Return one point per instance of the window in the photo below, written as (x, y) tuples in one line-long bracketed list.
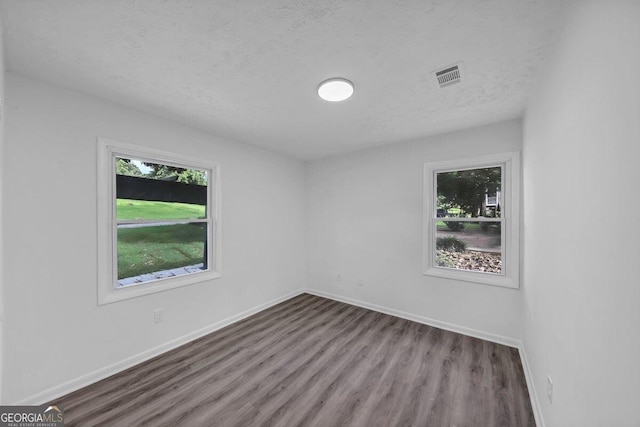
[(471, 219), (158, 221)]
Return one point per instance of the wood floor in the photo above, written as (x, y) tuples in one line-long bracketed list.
[(311, 361)]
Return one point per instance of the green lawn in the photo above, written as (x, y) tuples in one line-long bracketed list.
[(156, 248), (142, 209)]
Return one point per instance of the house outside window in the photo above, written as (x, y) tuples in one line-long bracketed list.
[(158, 221), (471, 225)]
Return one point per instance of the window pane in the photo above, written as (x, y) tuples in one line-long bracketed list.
[(469, 193), (474, 246), (158, 251), (156, 191)]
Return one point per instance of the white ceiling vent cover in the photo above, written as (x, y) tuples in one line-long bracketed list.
[(448, 76)]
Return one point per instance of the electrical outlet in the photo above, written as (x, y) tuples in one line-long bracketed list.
[(158, 315), (360, 282), (339, 277), (550, 389)]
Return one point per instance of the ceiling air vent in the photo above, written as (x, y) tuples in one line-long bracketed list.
[(448, 76)]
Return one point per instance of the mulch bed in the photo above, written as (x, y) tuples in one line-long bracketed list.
[(486, 262)]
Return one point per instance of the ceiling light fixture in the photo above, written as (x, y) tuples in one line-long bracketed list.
[(335, 90)]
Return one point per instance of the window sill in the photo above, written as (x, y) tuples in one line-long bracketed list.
[(470, 276), (109, 294)]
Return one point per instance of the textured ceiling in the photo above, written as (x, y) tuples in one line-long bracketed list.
[(249, 69)]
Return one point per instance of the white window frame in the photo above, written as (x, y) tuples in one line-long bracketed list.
[(108, 151), (510, 219)]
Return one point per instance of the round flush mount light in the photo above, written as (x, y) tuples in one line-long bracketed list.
[(335, 90)]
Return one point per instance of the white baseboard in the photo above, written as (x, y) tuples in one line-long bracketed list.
[(499, 339), (511, 342), (100, 374), (533, 395)]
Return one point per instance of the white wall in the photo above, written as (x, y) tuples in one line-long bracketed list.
[(582, 232), (54, 330), (365, 221)]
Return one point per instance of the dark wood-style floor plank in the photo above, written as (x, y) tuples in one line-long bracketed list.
[(311, 361)]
